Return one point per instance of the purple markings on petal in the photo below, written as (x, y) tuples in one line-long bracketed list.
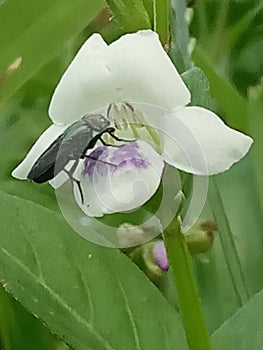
[(160, 256), (95, 159), (105, 159), (129, 155), (135, 162)]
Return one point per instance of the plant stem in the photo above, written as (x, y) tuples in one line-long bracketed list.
[(189, 302)]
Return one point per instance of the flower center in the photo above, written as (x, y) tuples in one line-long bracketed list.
[(126, 118)]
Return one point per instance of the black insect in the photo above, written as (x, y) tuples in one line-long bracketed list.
[(71, 145)]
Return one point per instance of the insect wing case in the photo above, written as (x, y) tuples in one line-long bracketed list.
[(71, 145), (43, 169)]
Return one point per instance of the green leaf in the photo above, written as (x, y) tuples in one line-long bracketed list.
[(238, 193), (91, 296), (230, 102), (130, 15), (148, 4), (255, 128), (196, 81), (181, 35), (243, 330), (19, 129), (227, 241), (19, 330), (36, 30), (161, 20), (237, 29)]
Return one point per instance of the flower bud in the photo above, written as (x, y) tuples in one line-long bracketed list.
[(152, 268), (201, 237), (199, 240), (160, 256)]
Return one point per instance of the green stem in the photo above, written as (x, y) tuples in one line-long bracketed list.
[(131, 15), (189, 302), (161, 20)]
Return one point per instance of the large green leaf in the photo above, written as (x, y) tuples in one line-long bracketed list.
[(38, 34), (19, 330), (232, 257), (19, 129), (255, 128), (92, 297), (244, 330), (239, 195)]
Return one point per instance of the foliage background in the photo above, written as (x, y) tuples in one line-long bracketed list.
[(92, 297)]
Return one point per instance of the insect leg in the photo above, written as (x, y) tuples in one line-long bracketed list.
[(107, 131), (95, 139), (73, 179), (111, 133), (106, 144)]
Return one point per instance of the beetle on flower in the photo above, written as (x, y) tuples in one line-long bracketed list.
[(135, 85)]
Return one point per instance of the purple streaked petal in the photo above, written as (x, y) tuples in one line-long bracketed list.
[(106, 159), (118, 179)]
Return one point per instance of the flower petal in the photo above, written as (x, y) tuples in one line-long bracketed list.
[(129, 178), (197, 141), (133, 68), (83, 85), (59, 180), (160, 255), (44, 141)]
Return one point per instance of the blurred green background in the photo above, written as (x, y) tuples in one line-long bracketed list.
[(227, 44)]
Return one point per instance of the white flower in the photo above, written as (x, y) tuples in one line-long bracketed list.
[(136, 77), (119, 179)]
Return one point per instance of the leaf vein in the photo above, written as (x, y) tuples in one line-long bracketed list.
[(38, 262), (88, 293), (60, 301), (134, 327)]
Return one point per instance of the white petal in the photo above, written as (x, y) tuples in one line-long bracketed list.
[(127, 187), (200, 143), (44, 141), (61, 177), (81, 88), (134, 68), (144, 70)]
